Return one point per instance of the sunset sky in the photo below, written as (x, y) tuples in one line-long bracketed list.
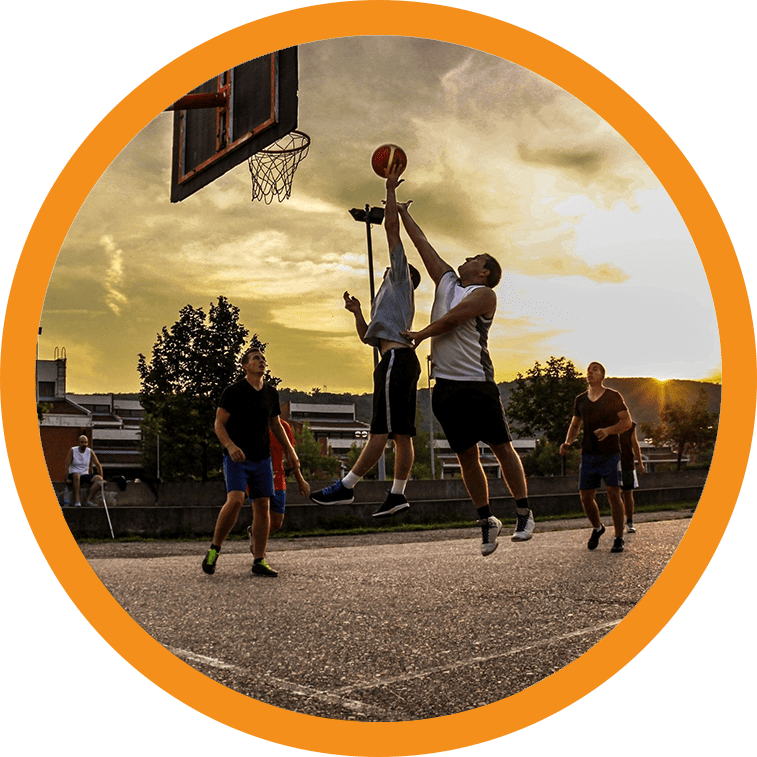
[(598, 264)]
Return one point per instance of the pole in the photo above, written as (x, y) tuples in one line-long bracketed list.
[(105, 505), (382, 459), (430, 420)]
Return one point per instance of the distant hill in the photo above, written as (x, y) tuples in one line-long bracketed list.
[(644, 397)]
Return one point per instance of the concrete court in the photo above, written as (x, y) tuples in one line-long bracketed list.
[(388, 627)]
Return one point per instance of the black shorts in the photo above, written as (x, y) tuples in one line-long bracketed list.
[(470, 412), (85, 477), (396, 378), (629, 479)]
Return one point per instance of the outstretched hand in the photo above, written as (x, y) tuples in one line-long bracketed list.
[(412, 337), (351, 303)]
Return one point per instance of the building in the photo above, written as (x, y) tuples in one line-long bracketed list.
[(334, 427), (111, 423)]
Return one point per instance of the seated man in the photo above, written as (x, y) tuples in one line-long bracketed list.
[(79, 463)]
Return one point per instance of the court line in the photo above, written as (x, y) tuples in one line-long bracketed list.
[(337, 697)]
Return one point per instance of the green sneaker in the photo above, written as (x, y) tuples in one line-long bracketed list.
[(262, 568), (209, 563)]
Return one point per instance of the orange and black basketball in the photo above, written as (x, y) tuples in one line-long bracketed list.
[(387, 155)]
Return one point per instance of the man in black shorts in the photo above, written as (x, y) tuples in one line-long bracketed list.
[(603, 414), (247, 411), (396, 376), (630, 462), (466, 401)]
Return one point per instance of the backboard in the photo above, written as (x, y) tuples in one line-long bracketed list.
[(230, 117)]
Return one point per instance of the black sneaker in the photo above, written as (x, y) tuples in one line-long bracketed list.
[(594, 538), (336, 494), (209, 563), (618, 544), (393, 504), (262, 568)]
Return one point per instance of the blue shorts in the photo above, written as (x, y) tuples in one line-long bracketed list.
[(594, 468), (279, 501), (248, 476)]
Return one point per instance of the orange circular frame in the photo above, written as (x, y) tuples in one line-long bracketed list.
[(649, 616)]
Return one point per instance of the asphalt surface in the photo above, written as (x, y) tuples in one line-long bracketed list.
[(388, 627)]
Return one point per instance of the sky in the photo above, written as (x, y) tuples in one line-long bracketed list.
[(598, 264)]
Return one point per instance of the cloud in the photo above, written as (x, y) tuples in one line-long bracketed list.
[(114, 275)]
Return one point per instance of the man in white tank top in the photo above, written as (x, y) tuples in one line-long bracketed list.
[(466, 400), (79, 463)]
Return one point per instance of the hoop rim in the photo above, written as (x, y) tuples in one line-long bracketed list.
[(272, 150)]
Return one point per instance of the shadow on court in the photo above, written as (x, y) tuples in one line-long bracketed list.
[(388, 627)]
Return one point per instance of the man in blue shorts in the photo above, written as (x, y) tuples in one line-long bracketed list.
[(247, 411), (395, 378), (603, 415), (466, 400)]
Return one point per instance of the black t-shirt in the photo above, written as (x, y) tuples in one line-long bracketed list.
[(626, 448), (250, 411), (599, 414)]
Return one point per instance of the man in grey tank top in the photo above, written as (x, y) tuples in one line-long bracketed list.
[(466, 400)]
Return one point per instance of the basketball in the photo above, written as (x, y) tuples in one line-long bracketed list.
[(385, 156)]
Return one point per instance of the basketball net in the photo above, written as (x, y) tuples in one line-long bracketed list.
[(273, 168)]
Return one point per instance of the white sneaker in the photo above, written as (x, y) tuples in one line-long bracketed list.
[(630, 527), (490, 528), (524, 528)]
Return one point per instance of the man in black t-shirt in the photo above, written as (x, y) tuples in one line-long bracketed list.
[(603, 414), (247, 411)]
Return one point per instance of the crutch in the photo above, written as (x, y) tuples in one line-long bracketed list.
[(105, 505)]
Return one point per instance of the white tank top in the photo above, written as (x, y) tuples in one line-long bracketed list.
[(461, 354), (80, 461)]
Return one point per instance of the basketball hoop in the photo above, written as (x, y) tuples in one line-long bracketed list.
[(273, 168)]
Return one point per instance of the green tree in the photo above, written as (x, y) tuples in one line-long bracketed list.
[(685, 429), (541, 403), (191, 364), (546, 460), (313, 463)]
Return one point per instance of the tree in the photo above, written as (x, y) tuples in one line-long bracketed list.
[(191, 364), (684, 428), (541, 403), (313, 464)]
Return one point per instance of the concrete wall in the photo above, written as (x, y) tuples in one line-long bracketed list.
[(184, 509)]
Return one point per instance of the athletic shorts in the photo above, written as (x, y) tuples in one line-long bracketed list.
[(255, 478), (279, 501), (85, 477), (470, 412), (630, 480), (594, 468), (395, 384)]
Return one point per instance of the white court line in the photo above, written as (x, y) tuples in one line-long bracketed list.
[(336, 697), (474, 660)]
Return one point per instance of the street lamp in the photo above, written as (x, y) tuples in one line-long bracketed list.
[(430, 419), (369, 216)]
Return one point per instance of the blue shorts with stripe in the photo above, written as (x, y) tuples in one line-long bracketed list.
[(395, 386), (253, 477), (594, 468)]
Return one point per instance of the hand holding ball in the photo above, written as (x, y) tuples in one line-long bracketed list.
[(385, 156)]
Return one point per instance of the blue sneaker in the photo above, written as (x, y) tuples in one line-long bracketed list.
[(336, 494)]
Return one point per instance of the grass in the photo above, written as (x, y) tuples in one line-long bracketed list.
[(346, 528)]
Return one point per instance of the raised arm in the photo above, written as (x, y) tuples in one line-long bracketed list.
[(435, 266), (391, 215), (353, 305)]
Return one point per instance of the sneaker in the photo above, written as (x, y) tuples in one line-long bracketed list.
[(77, 504), (336, 494), (209, 563), (524, 528), (393, 504), (630, 527), (91, 504), (618, 544), (490, 528), (594, 538), (262, 568)]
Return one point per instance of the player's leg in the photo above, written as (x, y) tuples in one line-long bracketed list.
[(228, 516), (474, 477), (591, 508), (261, 525), (260, 482), (396, 501), (278, 508), (76, 481), (94, 488), (618, 512)]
